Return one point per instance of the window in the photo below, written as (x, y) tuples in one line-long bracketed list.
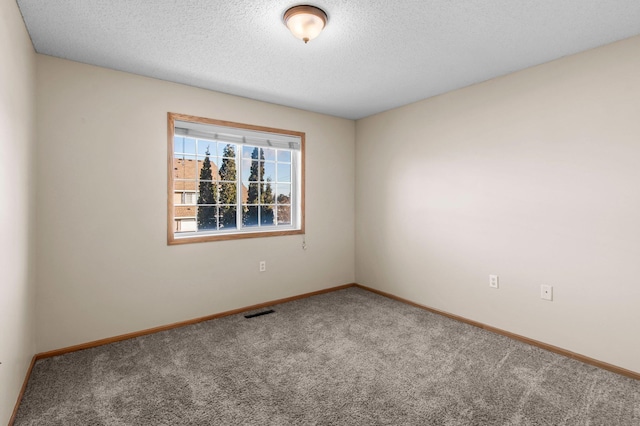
[(231, 180), (188, 197)]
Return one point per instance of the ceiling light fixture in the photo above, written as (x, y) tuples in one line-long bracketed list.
[(305, 22)]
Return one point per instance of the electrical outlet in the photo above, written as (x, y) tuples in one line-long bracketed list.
[(493, 281), (263, 265), (546, 292)]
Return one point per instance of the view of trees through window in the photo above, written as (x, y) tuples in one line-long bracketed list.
[(222, 186)]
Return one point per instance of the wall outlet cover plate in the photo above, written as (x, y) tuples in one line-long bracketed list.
[(493, 281), (546, 292)]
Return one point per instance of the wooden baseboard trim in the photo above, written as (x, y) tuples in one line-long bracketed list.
[(532, 342), (21, 394), (135, 334)]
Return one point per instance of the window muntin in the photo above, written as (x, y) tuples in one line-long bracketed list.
[(231, 180)]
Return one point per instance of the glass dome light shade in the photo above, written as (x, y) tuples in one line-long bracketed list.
[(305, 22)]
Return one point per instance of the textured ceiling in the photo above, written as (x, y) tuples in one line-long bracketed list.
[(374, 55)]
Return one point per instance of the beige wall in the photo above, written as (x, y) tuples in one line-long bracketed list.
[(17, 195), (535, 177), (104, 267)]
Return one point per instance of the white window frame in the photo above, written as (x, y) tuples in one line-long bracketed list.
[(239, 134)]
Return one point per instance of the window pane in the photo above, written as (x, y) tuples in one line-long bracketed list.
[(269, 154), (284, 172), (178, 144), (228, 217), (269, 171), (259, 166), (267, 215), (219, 148), (253, 195), (245, 194), (284, 156), (247, 151), (246, 171), (184, 145), (284, 215), (207, 218), (204, 146), (215, 167), (228, 171), (184, 212), (228, 150), (228, 193), (267, 194), (207, 171), (283, 192), (256, 169), (207, 192), (250, 218), (185, 225), (184, 166)]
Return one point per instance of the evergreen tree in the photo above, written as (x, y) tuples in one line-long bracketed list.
[(266, 215), (206, 213), (250, 214), (228, 188)]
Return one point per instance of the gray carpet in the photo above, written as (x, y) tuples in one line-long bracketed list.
[(344, 358)]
